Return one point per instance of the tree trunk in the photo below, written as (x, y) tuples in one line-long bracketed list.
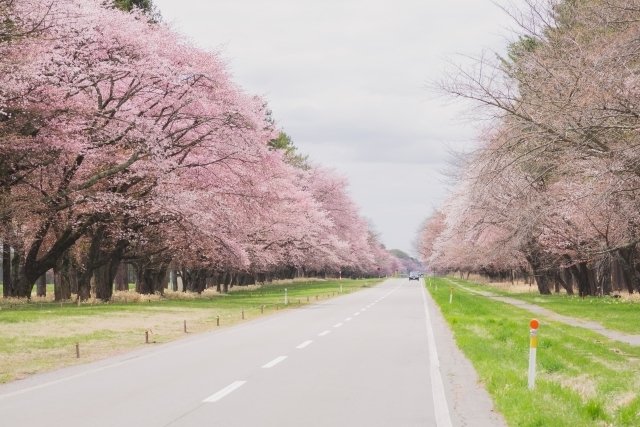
[(62, 279), (540, 275), (604, 277), (617, 279), (103, 278), (566, 280), (151, 279), (122, 277), (23, 278), (626, 260), (174, 280), (41, 289), (584, 279), (7, 283)]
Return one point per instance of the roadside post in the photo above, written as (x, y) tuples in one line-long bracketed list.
[(450, 294), (533, 345), (286, 297)]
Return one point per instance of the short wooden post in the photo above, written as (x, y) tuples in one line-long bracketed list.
[(77, 350), (185, 326), (217, 320), (146, 337)]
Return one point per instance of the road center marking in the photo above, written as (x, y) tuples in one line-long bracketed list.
[(337, 325), (274, 362), (323, 333), (357, 313), (225, 391), (304, 344), (348, 319)]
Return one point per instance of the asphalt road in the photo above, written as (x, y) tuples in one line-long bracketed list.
[(371, 358)]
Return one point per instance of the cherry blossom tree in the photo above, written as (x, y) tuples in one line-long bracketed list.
[(555, 180)]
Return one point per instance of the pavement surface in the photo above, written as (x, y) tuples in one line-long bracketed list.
[(379, 357), (552, 315)]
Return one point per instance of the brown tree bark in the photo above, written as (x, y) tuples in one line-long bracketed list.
[(542, 280), (62, 279), (626, 261), (174, 280), (7, 283), (41, 289), (122, 277), (150, 278)]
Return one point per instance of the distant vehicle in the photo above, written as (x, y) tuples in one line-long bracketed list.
[(414, 276)]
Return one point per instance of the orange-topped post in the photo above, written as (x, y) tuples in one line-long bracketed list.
[(533, 346)]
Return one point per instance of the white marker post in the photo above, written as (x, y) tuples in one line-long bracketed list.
[(286, 298), (533, 345), (450, 295)]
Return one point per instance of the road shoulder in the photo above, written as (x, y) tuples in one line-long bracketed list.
[(469, 402)]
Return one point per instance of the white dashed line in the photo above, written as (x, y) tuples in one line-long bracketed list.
[(323, 333), (356, 314), (348, 319), (304, 344), (337, 325), (274, 362), (225, 391)]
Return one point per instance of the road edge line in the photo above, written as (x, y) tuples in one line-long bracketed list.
[(441, 407)]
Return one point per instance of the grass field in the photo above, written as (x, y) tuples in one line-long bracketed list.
[(583, 379), (41, 335), (621, 314)]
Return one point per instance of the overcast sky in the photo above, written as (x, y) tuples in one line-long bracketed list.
[(348, 81)]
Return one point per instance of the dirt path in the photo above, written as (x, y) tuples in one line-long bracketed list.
[(580, 323)]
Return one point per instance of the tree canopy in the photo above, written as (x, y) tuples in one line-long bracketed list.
[(121, 142), (551, 190)]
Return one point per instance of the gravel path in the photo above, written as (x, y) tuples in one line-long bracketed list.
[(580, 323)]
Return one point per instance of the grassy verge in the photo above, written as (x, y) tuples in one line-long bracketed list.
[(583, 379), (614, 313), (41, 335)]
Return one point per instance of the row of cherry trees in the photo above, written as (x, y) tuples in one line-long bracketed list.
[(552, 190), (120, 141)]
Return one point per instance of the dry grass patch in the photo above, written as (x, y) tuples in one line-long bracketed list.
[(38, 346), (582, 384), (40, 335)]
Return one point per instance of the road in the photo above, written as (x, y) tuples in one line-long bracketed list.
[(365, 359)]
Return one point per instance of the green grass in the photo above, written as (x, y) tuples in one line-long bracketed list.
[(613, 313), (583, 379), (40, 335)]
